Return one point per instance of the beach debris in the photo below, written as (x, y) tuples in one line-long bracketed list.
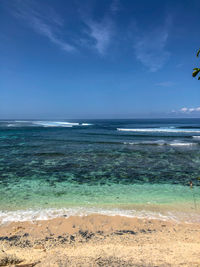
[(39, 246), (28, 264), (121, 232), (85, 234), (113, 262), (72, 238), (8, 259)]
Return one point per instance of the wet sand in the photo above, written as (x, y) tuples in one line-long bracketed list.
[(99, 240)]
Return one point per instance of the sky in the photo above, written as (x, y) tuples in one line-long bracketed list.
[(99, 59)]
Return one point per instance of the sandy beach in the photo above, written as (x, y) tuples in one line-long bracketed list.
[(99, 240)]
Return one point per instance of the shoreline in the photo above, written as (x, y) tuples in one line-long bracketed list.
[(183, 212), (101, 240)]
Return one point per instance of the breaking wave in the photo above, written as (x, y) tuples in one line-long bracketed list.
[(55, 123), (160, 130), (162, 143), (21, 123), (196, 137)]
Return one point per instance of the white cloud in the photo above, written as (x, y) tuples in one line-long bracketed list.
[(48, 24), (184, 109), (189, 110), (101, 33), (150, 47), (46, 30)]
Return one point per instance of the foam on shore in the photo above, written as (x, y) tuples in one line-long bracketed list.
[(47, 214)]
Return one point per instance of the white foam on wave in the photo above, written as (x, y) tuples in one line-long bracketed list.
[(196, 137), (47, 123), (182, 144), (11, 125), (60, 124), (55, 123), (161, 143), (159, 130), (46, 214), (22, 121), (86, 124), (158, 142)]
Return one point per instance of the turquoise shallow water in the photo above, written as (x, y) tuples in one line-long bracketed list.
[(130, 167)]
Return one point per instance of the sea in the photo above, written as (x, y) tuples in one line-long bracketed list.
[(132, 167)]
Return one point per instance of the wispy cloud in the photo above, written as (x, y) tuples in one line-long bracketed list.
[(150, 47), (96, 34), (166, 84), (101, 33), (189, 110), (49, 24)]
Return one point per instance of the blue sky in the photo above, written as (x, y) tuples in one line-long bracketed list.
[(99, 58)]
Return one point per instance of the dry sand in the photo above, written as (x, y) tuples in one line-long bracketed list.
[(98, 240)]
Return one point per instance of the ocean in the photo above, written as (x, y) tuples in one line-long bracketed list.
[(136, 167)]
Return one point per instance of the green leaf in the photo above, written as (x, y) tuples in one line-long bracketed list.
[(198, 52), (199, 78), (194, 74)]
